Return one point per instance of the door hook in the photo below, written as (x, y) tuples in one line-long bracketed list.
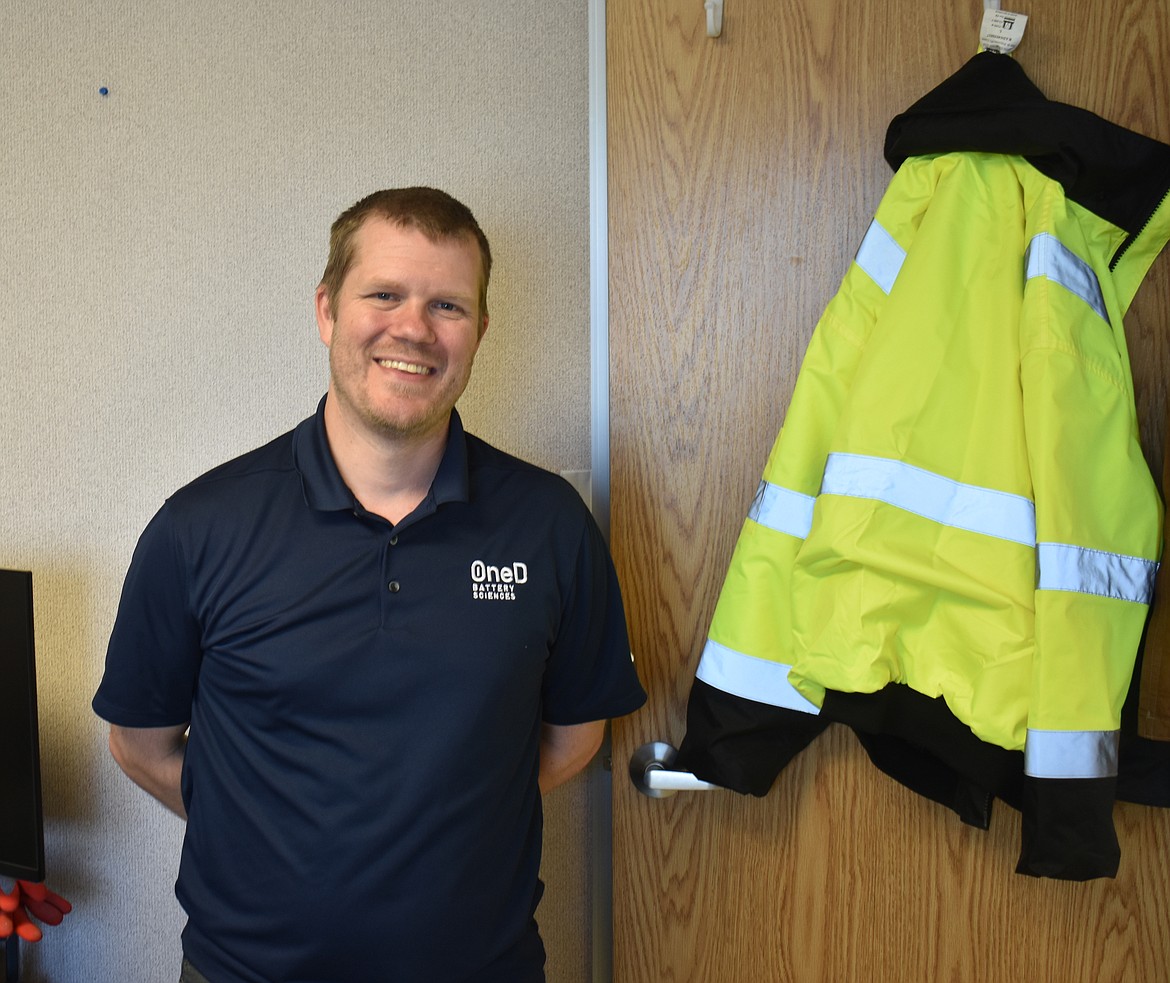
[(714, 10)]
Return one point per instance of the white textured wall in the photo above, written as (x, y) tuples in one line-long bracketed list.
[(159, 252)]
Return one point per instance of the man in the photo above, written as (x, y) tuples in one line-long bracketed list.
[(354, 657)]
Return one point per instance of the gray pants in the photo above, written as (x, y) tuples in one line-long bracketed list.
[(190, 974)]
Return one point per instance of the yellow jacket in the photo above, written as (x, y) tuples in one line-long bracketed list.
[(958, 502)]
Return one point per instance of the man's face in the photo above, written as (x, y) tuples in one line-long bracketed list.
[(403, 330)]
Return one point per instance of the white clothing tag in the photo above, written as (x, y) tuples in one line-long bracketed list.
[(1002, 31)]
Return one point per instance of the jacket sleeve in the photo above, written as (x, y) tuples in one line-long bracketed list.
[(745, 719), (1098, 537)]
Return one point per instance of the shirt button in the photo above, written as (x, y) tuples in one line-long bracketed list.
[(394, 540), (394, 587)]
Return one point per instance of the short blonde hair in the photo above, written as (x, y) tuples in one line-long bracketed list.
[(434, 213)]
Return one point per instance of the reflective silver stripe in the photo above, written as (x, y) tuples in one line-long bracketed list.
[(1047, 256), (880, 256), (1074, 568), (950, 503), (1071, 753), (749, 677), (782, 509)]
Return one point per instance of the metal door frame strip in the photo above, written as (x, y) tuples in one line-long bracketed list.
[(600, 774)]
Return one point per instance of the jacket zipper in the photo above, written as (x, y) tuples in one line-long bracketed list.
[(1129, 240)]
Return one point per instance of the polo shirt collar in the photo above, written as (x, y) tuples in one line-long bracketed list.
[(325, 490)]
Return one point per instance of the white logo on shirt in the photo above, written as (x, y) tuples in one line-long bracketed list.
[(497, 583)]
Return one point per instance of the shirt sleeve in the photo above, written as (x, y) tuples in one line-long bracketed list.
[(154, 652), (591, 674)]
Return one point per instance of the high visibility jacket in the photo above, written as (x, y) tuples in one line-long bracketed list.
[(956, 535)]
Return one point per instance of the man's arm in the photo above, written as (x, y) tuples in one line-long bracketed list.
[(152, 757), (565, 750)]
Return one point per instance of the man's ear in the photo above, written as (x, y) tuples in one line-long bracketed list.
[(483, 325), (324, 314)]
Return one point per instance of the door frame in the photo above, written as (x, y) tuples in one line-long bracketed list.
[(601, 773)]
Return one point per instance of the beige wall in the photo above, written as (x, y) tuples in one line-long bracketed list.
[(160, 249)]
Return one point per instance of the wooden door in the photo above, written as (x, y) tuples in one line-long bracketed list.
[(743, 173)]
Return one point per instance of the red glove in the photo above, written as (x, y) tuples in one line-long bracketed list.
[(30, 898)]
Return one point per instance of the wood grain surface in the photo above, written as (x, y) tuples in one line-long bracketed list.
[(743, 172)]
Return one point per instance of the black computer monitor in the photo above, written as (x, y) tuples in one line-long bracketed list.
[(22, 841)]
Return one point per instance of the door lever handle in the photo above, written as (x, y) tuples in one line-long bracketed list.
[(651, 773)]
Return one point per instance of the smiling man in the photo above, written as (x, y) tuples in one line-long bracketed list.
[(353, 658)]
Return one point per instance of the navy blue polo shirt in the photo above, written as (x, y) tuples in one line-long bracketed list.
[(365, 704)]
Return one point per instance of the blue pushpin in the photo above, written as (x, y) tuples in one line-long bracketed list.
[(104, 91)]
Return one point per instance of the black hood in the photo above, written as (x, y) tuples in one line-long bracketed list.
[(991, 106)]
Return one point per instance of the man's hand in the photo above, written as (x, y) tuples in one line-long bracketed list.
[(30, 898)]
